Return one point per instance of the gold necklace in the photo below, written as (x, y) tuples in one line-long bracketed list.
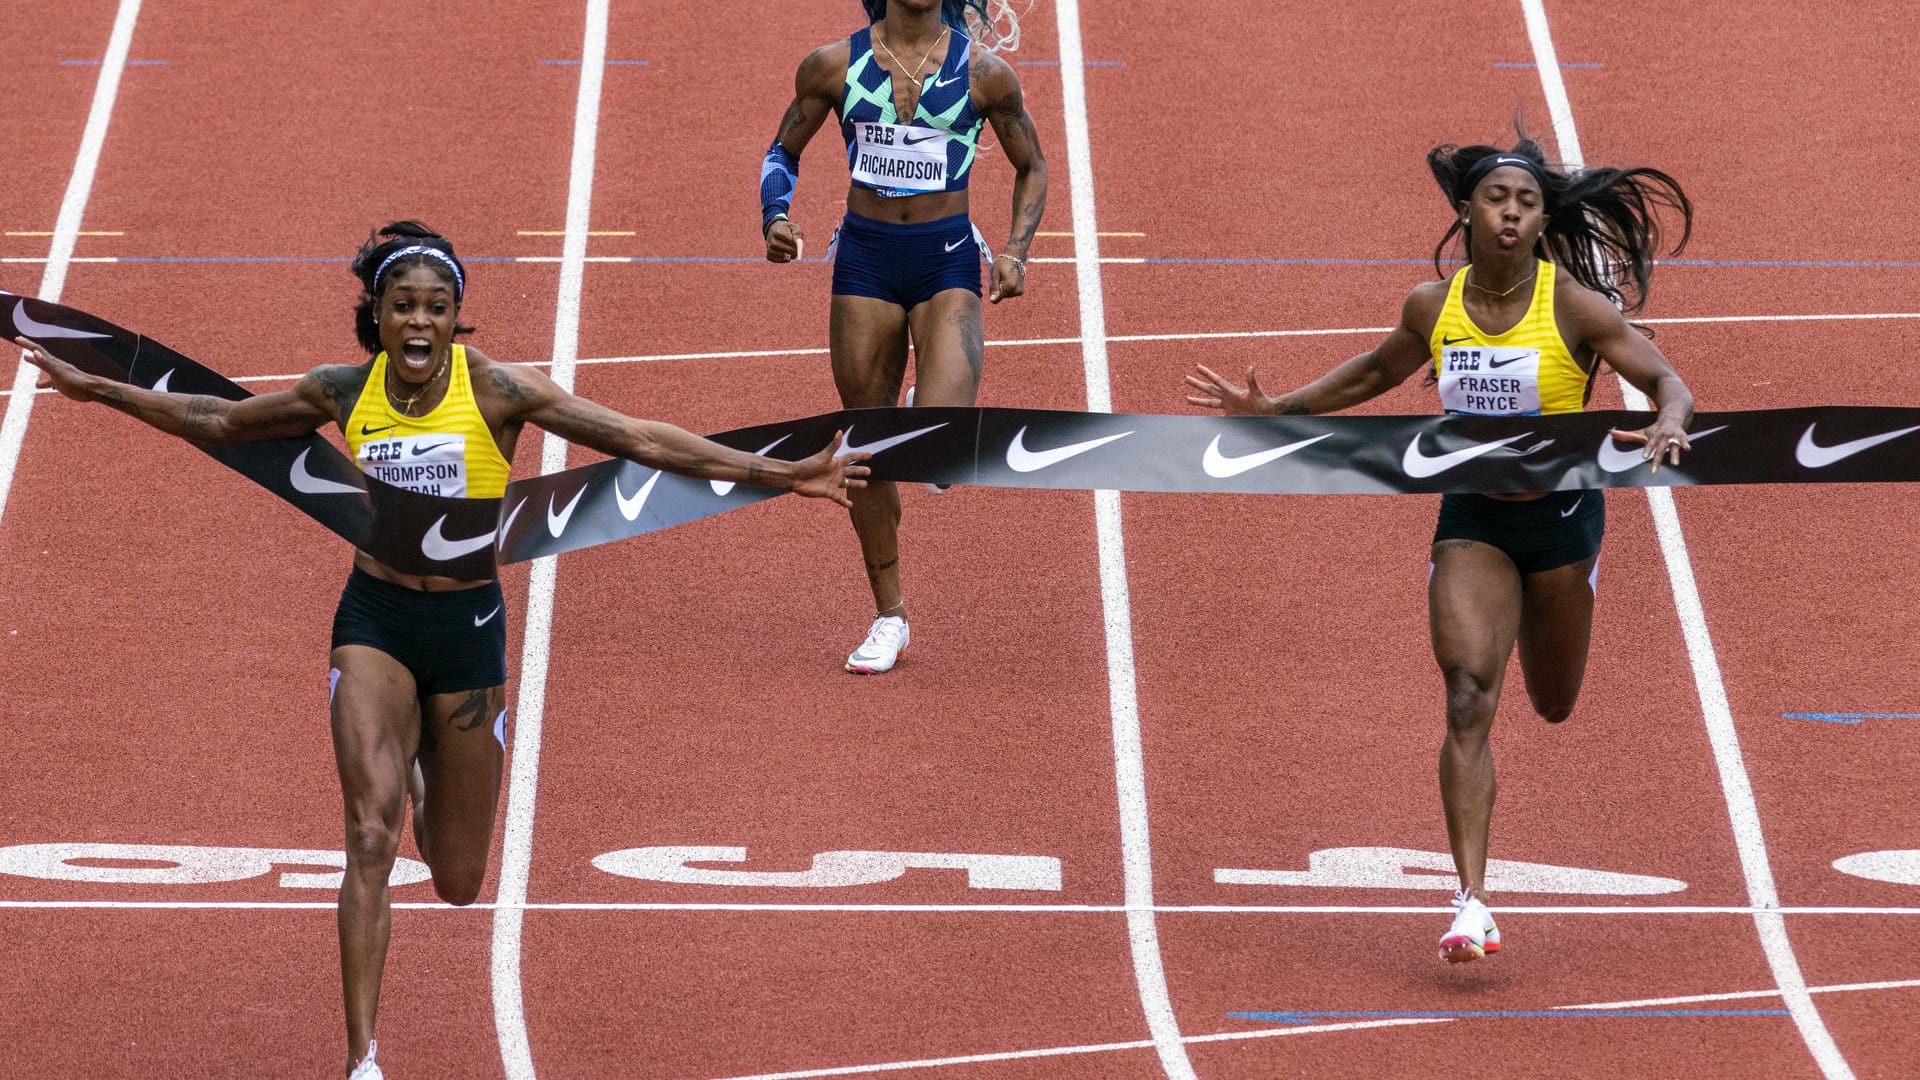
[(1509, 290), (923, 58), (406, 407)]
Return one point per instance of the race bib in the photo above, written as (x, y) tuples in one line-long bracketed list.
[(428, 464), (1481, 380), (900, 157)]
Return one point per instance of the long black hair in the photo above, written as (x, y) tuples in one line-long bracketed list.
[(384, 241), (1603, 225)]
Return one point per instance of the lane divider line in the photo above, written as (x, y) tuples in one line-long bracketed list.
[(1143, 939), (66, 229), (1737, 787), (516, 857), (940, 909)]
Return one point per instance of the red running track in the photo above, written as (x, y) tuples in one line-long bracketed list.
[(164, 682)]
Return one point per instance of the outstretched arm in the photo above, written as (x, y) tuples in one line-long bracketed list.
[(202, 418), (522, 393), (1359, 379), (1599, 326), (816, 87), (1007, 112)]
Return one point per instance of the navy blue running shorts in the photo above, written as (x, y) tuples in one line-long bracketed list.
[(450, 641), (906, 264), (1556, 530)]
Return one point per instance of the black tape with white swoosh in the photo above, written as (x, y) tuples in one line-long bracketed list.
[(1025, 448)]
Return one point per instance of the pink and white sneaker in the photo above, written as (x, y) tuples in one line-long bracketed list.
[(1473, 934), (886, 640)]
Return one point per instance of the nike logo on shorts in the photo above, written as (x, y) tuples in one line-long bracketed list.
[(479, 621)]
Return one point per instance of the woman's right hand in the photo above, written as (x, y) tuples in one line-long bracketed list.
[(57, 373), (784, 242), (1215, 392)]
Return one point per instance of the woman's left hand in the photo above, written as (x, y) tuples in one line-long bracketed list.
[(824, 476), (1009, 279), (1664, 437)]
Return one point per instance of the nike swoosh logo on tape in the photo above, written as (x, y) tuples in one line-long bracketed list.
[(630, 508), (1568, 512), (879, 445), (1815, 456), (1455, 340), (1419, 465), (508, 526), (557, 523), (418, 450), (958, 242), (722, 487), (478, 621), (437, 547), (1496, 362), (1220, 466), (160, 384), (1021, 459), (909, 140), (365, 430), (39, 331), (308, 484), (1615, 460)]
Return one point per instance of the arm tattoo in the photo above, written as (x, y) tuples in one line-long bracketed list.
[(343, 384), (756, 473), (504, 382), (199, 421), (114, 399), (791, 123), (1284, 407)]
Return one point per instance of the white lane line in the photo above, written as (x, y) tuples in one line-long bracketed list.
[(66, 229), (1196, 335), (946, 909), (1143, 938), (509, 1012), (1291, 1029), (1742, 810)]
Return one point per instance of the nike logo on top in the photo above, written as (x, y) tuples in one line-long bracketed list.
[(1021, 459), (365, 430), (308, 484), (946, 81), (1455, 340), (1500, 362), (1419, 466), (1221, 466), (909, 140), (418, 450), (630, 508), (1615, 460), (1815, 456), (39, 331), (478, 621), (878, 445), (557, 523)]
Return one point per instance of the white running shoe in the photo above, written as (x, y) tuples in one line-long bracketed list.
[(886, 640), (1472, 935), (368, 1069), (935, 488)]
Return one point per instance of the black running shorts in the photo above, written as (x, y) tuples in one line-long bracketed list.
[(450, 641), (1537, 534)]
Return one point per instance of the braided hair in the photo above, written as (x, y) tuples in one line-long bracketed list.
[(372, 267), (1603, 225)]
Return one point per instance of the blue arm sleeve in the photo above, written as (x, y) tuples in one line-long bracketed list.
[(778, 175)]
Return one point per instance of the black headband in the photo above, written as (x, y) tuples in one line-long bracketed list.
[(1463, 190)]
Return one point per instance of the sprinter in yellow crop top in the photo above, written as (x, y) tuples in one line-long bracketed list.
[(419, 663), (1521, 329)]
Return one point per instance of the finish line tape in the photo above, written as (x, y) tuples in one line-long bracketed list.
[(1023, 448)]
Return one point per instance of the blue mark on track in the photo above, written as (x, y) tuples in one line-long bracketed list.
[(1306, 1017), (1848, 717)]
